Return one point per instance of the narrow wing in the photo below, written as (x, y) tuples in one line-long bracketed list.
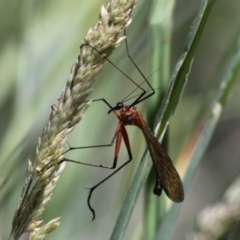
[(167, 174)]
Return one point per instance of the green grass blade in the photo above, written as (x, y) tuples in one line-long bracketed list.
[(226, 86), (167, 226), (182, 69), (174, 92), (208, 122), (161, 23)]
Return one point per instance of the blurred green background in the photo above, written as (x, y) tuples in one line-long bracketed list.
[(39, 43)]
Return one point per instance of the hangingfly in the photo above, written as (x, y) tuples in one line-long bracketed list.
[(167, 176)]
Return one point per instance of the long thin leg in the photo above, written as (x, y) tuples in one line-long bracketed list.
[(140, 98), (114, 164), (84, 163), (122, 133), (158, 187), (108, 60), (94, 146), (104, 100)]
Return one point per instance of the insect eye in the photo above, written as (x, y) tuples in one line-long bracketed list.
[(120, 104)]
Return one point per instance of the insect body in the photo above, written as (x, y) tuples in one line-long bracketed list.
[(167, 176)]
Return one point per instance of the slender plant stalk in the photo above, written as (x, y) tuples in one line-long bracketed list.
[(65, 114), (161, 33), (215, 221), (168, 106)]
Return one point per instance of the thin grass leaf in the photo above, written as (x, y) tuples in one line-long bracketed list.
[(182, 69), (171, 99), (161, 23), (210, 121), (169, 220)]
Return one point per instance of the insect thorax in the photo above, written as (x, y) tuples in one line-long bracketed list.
[(129, 115)]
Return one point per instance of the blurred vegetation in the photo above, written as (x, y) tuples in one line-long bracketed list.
[(39, 43)]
